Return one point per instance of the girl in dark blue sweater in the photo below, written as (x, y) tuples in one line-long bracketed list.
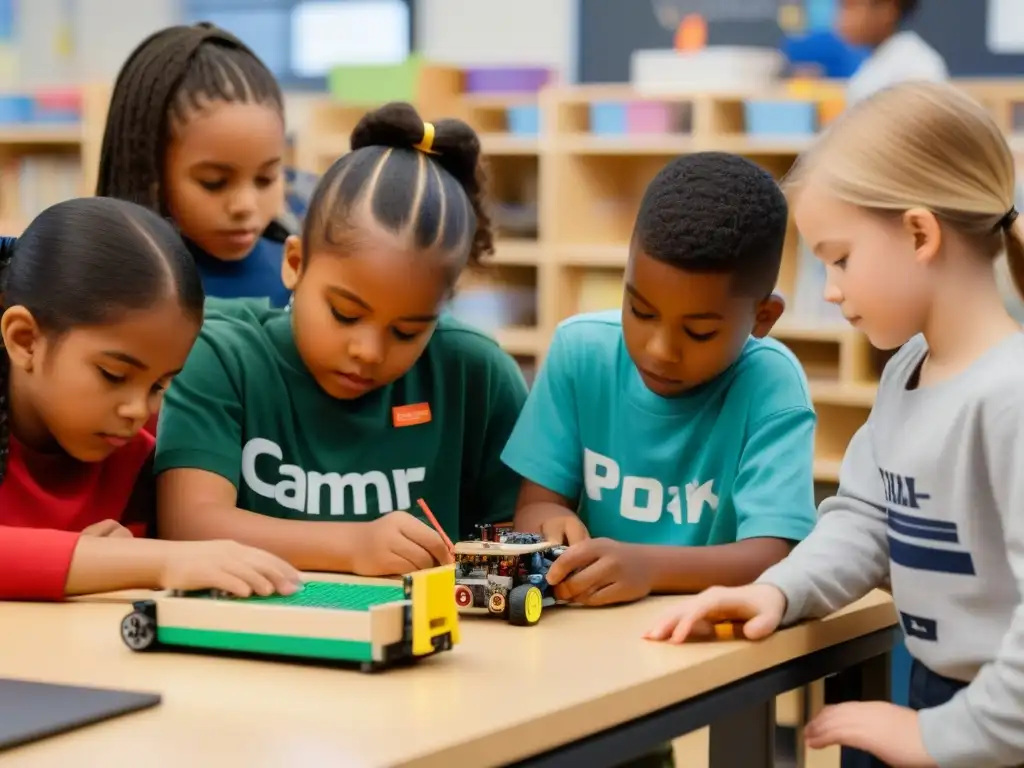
[(196, 132)]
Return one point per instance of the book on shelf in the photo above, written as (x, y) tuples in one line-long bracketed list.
[(33, 183)]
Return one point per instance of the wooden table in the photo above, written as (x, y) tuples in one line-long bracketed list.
[(581, 687)]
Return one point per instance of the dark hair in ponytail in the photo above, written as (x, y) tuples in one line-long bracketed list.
[(6, 254), (87, 262), (169, 75), (434, 199)]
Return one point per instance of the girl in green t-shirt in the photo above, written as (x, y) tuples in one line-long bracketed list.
[(363, 397)]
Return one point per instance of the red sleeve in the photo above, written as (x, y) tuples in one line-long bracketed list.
[(34, 562)]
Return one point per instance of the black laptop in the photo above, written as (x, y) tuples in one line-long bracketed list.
[(31, 711)]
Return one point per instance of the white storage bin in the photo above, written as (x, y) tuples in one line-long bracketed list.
[(716, 69)]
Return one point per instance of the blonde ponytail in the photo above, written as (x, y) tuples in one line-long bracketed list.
[(924, 145), (1013, 239)]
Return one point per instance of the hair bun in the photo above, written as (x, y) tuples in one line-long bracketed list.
[(397, 124), (455, 148)]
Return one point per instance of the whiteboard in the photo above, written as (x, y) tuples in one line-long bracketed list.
[(329, 34), (1005, 32)]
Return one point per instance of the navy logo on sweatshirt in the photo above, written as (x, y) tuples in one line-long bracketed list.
[(919, 542), (919, 627)]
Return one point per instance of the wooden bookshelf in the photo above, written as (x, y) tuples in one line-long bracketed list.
[(44, 163)]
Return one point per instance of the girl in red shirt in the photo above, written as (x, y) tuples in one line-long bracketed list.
[(101, 303)]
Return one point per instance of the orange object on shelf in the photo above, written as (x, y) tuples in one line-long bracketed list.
[(692, 34), (829, 110)]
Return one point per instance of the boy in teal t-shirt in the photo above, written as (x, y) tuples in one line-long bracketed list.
[(670, 444)]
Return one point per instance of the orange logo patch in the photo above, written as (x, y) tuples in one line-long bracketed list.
[(410, 415)]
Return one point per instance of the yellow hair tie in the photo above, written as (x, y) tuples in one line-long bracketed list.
[(427, 142)]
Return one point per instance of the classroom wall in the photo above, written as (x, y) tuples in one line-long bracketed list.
[(494, 32), (587, 40), (610, 30), (103, 32), (464, 32)]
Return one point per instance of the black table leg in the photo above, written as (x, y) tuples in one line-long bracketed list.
[(742, 735), (745, 737), (871, 680)]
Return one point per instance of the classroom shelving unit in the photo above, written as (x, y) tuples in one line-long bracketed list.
[(49, 149)]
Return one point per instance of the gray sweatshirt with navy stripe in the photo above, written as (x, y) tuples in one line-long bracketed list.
[(931, 497)]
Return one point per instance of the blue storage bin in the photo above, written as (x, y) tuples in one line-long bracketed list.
[(781, 118), (524, 121), (56, 116), (15, 109), (609, 119)]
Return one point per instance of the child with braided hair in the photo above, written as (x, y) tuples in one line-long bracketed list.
[(85, 360), (196, 132)]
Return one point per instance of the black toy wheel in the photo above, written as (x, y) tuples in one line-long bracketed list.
[(525, 604), (138, 628)]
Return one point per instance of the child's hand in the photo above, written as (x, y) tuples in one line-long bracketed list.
[(564, 529), (107, 528), (397, 543), (761, 606), (889, 732), (600, 572), (228, 566)]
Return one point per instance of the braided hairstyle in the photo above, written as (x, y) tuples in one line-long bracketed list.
[(6, 252), (434, 200), (87, 261), (169, 76)]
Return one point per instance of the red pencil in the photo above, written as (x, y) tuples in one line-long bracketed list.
[(437, 525)]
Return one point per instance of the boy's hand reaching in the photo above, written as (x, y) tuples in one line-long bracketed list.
[(564, 529), (397, 543), (760, 606), (600, 572)]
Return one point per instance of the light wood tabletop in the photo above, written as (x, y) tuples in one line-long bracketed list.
[(503, 694)]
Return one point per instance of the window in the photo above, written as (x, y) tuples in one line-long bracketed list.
[(301, 40), (261, 31), (328, 34)]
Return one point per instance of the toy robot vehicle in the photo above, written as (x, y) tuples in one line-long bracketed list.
[(503, 573)]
